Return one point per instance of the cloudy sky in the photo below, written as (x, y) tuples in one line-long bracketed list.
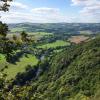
[(52, 11)]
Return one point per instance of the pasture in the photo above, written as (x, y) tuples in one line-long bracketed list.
[(58, 43), (19, 66)]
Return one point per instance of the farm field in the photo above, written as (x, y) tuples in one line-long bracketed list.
[(33, 35), (58, 43), (17, 30), (86, 32), (78, 39), (20, 66), (39, 33)]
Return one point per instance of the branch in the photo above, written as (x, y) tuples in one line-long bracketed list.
[(4, 6)]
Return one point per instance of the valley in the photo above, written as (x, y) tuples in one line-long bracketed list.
[(49, 49), (51, 58)]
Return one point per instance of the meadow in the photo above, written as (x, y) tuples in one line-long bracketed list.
[(13, 69), (33, 35), (58, 43), (18, 29)]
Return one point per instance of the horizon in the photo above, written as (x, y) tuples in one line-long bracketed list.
[(52, 11), (55, 23)]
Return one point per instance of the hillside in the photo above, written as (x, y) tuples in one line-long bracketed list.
[(73, 74), (57, 28)]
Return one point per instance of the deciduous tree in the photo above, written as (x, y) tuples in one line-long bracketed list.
[(4, 6), (3, 29)]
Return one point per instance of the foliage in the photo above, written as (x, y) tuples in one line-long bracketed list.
[(5, 6), (3, 29), (24, 36)]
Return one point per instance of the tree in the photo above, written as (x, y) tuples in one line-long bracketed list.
[(3, 29), (24, 36), (14, 37), (6, 46), (4, 6)]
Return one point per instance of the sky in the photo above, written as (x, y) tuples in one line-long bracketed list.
[(52, 11)]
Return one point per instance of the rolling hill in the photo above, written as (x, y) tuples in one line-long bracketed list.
[(69, 28)]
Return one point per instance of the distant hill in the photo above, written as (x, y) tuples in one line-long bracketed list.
[(71, 28)]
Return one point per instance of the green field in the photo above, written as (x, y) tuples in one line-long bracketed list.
[(34, 35), (2, 57), (2, 61), (40, 33), (18, 29), (58, 43), (20, 66)]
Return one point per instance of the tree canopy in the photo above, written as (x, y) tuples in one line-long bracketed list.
[(3, 29), (4, 6)]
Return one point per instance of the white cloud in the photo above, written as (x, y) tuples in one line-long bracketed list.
[(88, 5), (85, 2), (20, 12), (36, 15), (45, 10), (17, 6), (90, 9), (78, 2)]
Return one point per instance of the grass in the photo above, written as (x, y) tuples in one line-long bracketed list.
[(40, 33), (2, 57), (2, 61), (17, 29), (20, 66), (58, 43), (34, 35), (86, 32)]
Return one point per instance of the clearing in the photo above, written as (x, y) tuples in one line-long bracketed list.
[(58, 43), (78, 39), (20, 66)]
